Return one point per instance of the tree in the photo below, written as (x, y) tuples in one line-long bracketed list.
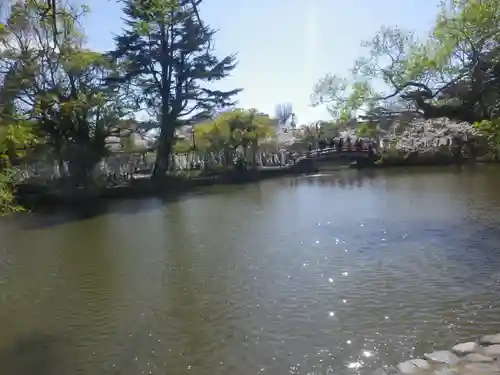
[(168, 63), (331, 129), (491, 129), (14, 140), (239, 128), (284, 113), (368, 130), (454, 72), (55, 82)]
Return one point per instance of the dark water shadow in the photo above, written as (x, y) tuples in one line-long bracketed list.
[(31, 355), (50, 216), (350, 178), (347, 178), (44, 217)]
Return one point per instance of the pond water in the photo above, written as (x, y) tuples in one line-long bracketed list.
[(336, 273)]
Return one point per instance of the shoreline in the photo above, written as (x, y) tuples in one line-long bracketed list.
[(481, 357), (33, 195)]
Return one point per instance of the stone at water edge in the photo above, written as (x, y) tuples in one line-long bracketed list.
[(478, 357), (492, 351), (442, 356), (481, 368), (413, 365), (386, 370), (446, 371), (490, 339), (465, 348)]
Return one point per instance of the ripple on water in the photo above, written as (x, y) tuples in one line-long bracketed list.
[(270, 278)]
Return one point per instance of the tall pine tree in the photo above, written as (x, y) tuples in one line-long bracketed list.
[(168, 60)]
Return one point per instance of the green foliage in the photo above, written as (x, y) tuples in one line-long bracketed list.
[(14, 140), (57, 92), (451, 73), (368, 130), (183, 146), (58, 83), (491, 129), (331, 129), (166, 54), (7, 204), (237, 128)]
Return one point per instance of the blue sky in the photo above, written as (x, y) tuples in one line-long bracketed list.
[(283, 46)]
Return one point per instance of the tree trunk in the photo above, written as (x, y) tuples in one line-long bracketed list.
[(163, 152), (227, 157), (80, 168), (167, 127), (61, 167)]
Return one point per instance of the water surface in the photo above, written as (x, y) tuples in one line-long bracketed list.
[(320, 274)]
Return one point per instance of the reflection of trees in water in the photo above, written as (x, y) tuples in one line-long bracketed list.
[(187, 307), (351, 179), (32, 355)]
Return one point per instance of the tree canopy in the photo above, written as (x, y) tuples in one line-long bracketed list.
[(236, 128), (453, 72), (284, 115), (54, 89), (168, 65)]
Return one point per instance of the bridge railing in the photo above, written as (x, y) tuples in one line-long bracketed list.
[(345, 149)]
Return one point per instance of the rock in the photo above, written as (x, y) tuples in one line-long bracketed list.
[(379, 371), (413, 365), (465, 348), (442, 356), (475, 368), (407, 368), (420, 363), (386, 370), (490, 339), (445, 371), (478, 357), (492, 351)]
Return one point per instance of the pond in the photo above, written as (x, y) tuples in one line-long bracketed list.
[(336, 273)]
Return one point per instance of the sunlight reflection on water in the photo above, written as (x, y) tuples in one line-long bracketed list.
[(320, 274)]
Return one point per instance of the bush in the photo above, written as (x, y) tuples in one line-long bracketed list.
[(7, 199)]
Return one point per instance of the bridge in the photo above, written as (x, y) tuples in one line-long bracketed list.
[(311, 162), (334, 153)]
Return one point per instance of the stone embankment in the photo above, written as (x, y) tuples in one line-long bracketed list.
[(468, 358)]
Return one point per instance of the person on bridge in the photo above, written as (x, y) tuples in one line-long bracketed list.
[(357, 145), (370, 149), (322, 144)]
